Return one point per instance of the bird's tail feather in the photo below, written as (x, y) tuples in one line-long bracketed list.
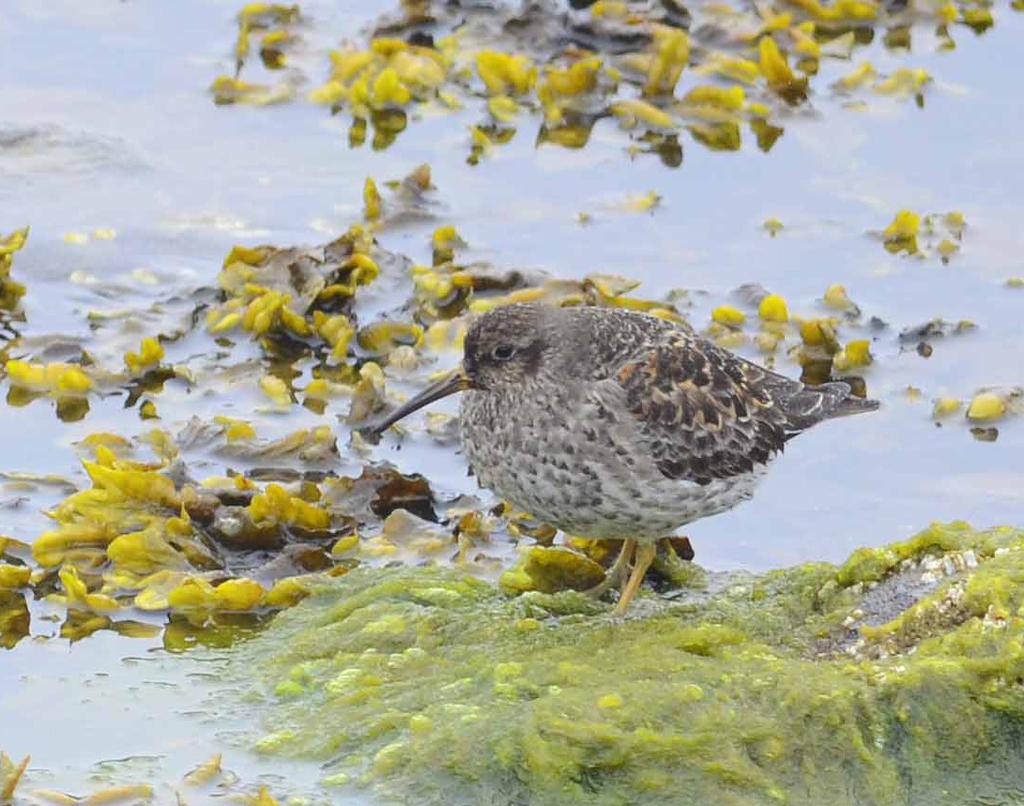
[(812, 404), (854, 405)]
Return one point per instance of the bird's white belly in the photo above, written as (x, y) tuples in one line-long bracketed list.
[(585, 483), (643, 511), (603, 500)]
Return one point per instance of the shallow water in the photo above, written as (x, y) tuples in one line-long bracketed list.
[(107, 123)]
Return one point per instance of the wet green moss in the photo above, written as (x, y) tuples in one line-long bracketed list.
[(801, 686)]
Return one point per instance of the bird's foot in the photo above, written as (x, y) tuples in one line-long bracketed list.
[(645, 554), (616, 574)]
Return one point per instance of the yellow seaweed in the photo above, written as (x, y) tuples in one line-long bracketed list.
[(729, 316), (738, 69), (261, 798), (551, 569), (818, 332), (60, 380), (235, 430), (901, 234), (383, 336), (836, 297), (287, 592), (205, 772), (371, 200), (276, 389), (855, 354), (578, 78), (230, 90), (9, 244), (502, 108), (946, 406), (773, 309), (14, 576), (150, 354), (10, 291), (238, 594), (776, 71), (132, 484), (728, 98), (671, 55), (368, 395), (78, 595), (635, 110), (444, 241), (276, 505), (336, 330), (194, 593), (861, 75), (145, 552), (985, 407), (505, 74), (11, 775), (388, 90), (904, 81), (839, 10), (51, 547), (114, 794)]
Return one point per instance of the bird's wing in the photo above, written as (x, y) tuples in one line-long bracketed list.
[(704, 413)]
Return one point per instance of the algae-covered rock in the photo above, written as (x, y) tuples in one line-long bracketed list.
[(893, 679)]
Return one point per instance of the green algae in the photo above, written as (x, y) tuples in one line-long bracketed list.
[(801, 686)]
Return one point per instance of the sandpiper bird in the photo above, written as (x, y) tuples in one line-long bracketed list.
[(613, 424)]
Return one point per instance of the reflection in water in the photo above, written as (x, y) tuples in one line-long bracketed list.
[(182, 633), (79, 624), (68, 409), (15, 620)]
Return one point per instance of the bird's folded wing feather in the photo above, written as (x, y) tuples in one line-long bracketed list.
[(707, 414)]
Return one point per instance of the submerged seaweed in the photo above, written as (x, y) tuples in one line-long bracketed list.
[(881, 681)]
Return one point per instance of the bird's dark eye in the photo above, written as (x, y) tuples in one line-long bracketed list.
[(503, 352)]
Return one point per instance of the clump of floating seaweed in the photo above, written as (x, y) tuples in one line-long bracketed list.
[(658, 69)]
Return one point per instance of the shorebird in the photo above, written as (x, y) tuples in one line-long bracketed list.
[(616, 425)]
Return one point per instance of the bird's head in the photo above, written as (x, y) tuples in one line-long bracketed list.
[(504, 348)]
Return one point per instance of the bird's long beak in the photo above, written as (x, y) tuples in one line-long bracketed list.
[(457, 381)]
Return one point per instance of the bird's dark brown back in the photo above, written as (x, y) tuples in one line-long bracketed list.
[(708, 414)]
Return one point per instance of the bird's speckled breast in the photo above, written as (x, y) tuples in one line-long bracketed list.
[(567, 460)]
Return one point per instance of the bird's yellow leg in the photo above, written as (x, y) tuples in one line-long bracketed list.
[(645, 553), (616, 572)]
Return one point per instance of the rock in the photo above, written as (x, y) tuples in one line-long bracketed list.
[(808, 685)]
